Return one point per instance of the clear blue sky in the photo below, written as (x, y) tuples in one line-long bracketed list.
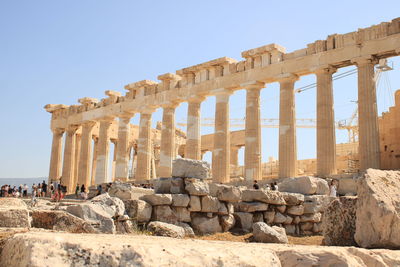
[(59, 51)]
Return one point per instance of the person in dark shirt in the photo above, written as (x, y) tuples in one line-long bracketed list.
[(255, 185), (44, 189)]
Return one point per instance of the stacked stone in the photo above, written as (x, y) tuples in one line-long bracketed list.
[(209, 208)]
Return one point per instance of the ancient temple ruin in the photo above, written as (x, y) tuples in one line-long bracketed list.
[(109, 118)]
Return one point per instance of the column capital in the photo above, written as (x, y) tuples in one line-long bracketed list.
[(58, 130), (359, 61), (147, 111), (89, 124), (287, 77), (222, 91), (71, 129), (170, 105), (325, 69), (196, 99), (253, 85), (126, 115)]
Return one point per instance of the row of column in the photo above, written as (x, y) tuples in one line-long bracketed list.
[(221, 158)]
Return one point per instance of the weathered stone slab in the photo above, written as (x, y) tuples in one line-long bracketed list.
[(244, 220), (113, 205), (138, 210), (163, 214), (194, 203), (204, 225), (162, 185), (252, 206), (13, 213), (126, 191), (190, 168), (266, 196), (182, 214), (158, 199), (60, 221), (226, 193), (339, 222), (295, 210), (264, 233), (180, 200), (196, 187), (306, 185), (378, 209), (210, 204), (293, 198), (166, 229)]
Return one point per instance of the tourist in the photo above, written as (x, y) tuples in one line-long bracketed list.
[(39, 190), (83, 192), (33, 200), (276, 186), (20, 189), (332, 189), (99, 189), (64, 191), (34, 188), (10, 191), (44, 189), (273, 188), (77, 190), (51, 190), (25, 192), (255, 185)]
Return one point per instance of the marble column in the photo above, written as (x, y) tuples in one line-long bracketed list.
[(55, 159), (287, 128), (122, 164), (167, 149), (221, 151), (193, 140), (114, 161), (94, 160), (78, 141), (326, 138), (252, 156), (69, 157), (368, 130), (103, 152), (86, 154), (144, 154)]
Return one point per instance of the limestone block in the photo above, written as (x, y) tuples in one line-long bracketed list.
[(97, 215), (230, 207), (162, 185), (378, 209), (124, 227), (177, 186), (280, 208), (166, 229), (306, 185), (306, 226), (13, 213), (227, 222), (296, 210), (182, 214), (296, 220), (290, 229), (244, 220), (252, 206), (190, 168), (194, 203), (59, 220), (163, 214), (322, 187), (258, 217), (180, 200), (209, 204), (223, 210), (266, 196), (138, 210), (264, 233), (196, 187), (157, 199), (269, 217), (125, 191), (226, 192), (316, 203), (339, 222), (293, 198), (188, 229), (288, 220), (316, 217), (279, 218), (113, 205), (312, 207), (204, 225)]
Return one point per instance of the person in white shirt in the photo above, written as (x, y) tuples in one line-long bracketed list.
[(333, 189)]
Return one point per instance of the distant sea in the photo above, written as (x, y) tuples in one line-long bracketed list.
[(18, 181)]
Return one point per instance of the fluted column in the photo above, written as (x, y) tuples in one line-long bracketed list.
[(252, 156), (55, 158), (144, 154), (69, 157), (167, 149), (368, 130), (221, 152), (326, 138), (287, 128), (94, 160), (78, 141), (114, 160), (122, 164), (103, 152), (193, 139), (85, 154)]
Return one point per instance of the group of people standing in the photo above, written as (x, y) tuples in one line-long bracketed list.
[(273, 186), (9, 191)]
